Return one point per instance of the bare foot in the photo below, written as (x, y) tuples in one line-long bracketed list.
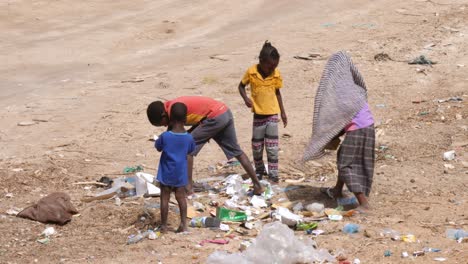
[(182, 229), (363, 209), (163, 229)]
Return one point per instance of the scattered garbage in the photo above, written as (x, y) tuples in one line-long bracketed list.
[(387, 253), (258, 201), (133, 169), (13, 211), (422, 60), (298, 207), (315, 207), (449, 155), (214, 241), (457, 234), (306, 226), (49, 231), (276, 243), (394, 235), (225, 214), (440, 259), (410, 238), (342, 201), (404, 254), (450, 99), (44, 240), (418, 253), (205, 222), (351, 228), (244, 245), (428, 249), (133, 239), (287, 217), (335, 217), (106, 181), (54, 208)]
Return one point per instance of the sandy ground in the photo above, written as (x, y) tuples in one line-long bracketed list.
[(65, 65)]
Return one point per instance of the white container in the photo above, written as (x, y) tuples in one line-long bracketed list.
[(449, 155), (146, 176)]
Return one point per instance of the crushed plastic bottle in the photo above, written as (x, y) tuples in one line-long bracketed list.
[(457, 234), (350, 228), (393, 234), (133, 239), (205, 222), (342, 201)]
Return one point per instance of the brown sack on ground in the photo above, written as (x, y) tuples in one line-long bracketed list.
[(55, 208)]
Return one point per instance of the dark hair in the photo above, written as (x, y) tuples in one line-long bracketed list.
[(268, 52), (178, 112), (155, 112)]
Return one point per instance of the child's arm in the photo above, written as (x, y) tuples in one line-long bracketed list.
[(283, 112), (159, 143), (242, 92)]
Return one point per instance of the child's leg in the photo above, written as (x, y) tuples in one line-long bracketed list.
[(362, 199), (258, 138), (338, 189), (181, 200), (164, 199), (271, 142)]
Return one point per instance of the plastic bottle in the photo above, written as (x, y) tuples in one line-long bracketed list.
[(347, 200), (351, 228), (456, 234), (133, 239), (393, 234), (205, 222)]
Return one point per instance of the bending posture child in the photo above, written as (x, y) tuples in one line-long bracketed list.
[(175, 145), (210, 119), (265, 82), (341, 108)]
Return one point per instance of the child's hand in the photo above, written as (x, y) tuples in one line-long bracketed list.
[(248, 102), (284, 118)]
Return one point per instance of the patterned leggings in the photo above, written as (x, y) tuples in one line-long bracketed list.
[(265, 132)]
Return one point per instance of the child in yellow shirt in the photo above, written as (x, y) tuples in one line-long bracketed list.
[(265, 82)]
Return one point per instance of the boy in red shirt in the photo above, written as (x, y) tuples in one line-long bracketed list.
[(210, 119)]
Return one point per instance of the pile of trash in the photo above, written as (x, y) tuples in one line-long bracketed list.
[(138, 184), (276, 243)]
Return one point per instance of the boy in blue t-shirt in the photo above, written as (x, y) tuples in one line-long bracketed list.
[(175, 145)]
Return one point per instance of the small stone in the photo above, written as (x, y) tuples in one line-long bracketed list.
[(412, 180)]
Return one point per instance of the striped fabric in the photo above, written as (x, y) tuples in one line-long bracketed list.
[(340, 96), (355, 160), (265, 135)]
